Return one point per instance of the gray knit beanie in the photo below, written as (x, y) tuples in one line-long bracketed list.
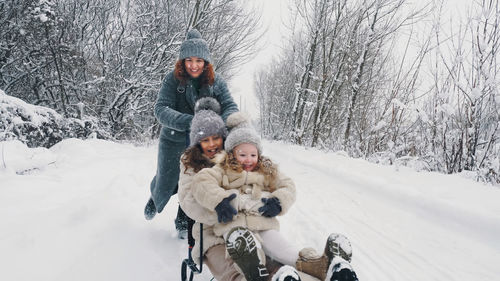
[(206, 121), (194, 46), (241, 131)]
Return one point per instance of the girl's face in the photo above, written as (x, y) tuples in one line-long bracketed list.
[(194, 66), (211, 145), (247, 155)]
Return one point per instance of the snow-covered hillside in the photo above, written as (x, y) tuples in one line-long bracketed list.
[(75, 212)]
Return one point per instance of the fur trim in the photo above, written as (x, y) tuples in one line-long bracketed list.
[(309, 253), (219, 157)]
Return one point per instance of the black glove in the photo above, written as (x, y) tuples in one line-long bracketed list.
[(271, 207), (225, 211)]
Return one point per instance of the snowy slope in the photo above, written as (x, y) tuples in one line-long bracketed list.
[(74, 212)]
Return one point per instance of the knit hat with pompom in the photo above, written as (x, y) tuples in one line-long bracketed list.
[(206, 121), (241, 131), (194, 46)]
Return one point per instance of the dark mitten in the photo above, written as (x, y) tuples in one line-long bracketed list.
[(271, 207), (225, 211)]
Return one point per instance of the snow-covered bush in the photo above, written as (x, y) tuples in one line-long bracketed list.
[(38, 126)]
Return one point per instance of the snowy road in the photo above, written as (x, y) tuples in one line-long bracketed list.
[(79, 216)]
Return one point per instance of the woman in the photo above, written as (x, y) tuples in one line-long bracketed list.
[(192, 78)]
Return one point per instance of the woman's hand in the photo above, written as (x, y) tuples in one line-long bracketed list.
[(226, 212)]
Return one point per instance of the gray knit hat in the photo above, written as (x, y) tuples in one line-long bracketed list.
[(194, 46), (206, 121), (241, 131)]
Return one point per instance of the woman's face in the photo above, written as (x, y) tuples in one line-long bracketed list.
[(247, 155), (211, 145), (194, 66)]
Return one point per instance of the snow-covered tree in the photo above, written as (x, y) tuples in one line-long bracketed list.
[(110, 55), (465, 106), (354, 76)]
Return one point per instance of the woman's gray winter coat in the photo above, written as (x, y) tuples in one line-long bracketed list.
[(174, 110)]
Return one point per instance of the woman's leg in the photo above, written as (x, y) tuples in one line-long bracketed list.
[(222, 268), (278, 248)]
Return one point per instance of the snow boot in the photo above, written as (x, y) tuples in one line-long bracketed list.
[(286, 273), (150, 209), (340, 270), (338, 245), (244, 248), (313, 264)]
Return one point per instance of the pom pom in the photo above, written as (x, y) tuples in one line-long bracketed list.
[(193, 34), (238, 120), (207, 103)]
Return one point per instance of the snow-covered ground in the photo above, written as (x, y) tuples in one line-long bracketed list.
[(75, 212)]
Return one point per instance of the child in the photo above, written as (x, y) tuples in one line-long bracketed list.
[(247, 191)]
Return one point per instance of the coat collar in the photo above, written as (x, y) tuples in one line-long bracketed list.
[(219, 157)]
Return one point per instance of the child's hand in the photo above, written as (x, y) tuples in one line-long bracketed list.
[(271, 207), (225, 211)]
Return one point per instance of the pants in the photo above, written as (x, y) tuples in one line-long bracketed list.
[(221, 267)]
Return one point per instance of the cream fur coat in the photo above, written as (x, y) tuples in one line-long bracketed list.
[(200, 192)]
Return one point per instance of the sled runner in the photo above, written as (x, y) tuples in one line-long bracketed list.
[(189, 262)]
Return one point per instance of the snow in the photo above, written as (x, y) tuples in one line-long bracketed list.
[(78, 215)]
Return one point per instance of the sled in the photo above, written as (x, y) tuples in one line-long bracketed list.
[(189, 264)]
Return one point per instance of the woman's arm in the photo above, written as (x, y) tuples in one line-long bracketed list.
[(165, 107), (224, 97)]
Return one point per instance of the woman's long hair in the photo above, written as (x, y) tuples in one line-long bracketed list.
[(193, 158), (207, 77)]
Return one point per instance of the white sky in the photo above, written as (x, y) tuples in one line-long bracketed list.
[(273, 14)]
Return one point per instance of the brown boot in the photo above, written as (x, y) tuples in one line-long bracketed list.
[(312, 263)]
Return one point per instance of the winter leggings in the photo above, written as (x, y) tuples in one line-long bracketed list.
[(277, 247)]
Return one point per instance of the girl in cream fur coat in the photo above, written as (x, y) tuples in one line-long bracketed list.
[(247, 191)]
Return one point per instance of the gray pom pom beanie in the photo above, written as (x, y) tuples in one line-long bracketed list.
[(206, 121), (194, 46), (241, 131)]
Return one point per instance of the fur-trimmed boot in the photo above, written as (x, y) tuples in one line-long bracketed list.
[(247, 254), (317, 265)]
